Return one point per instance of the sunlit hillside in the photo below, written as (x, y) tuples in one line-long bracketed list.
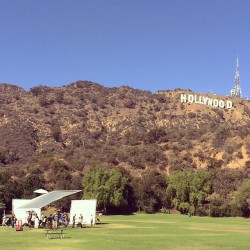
[(85, 123)]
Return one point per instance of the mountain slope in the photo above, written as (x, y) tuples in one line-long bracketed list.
[(85, 123)]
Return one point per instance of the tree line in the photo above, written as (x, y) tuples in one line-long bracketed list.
[(205, 192), (213, 191)]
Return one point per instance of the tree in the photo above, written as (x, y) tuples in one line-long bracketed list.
[(149, 191), (12, 189), (9, 189), (2, 191), (200, 187), (189, 189), (30, 183), (109, 187), (242, 198), (227, 181), (178, 191), (60, 177)]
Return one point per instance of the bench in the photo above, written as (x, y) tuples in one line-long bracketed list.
[(52, 233)]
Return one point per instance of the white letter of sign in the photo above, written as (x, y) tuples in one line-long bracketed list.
[(229, 104), (183, 98), (190, 98), (215, 103), (221, 104)]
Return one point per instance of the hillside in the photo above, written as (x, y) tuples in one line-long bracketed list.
[(85, 123)]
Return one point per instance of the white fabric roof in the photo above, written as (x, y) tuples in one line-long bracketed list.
[(41, 191), (46, 199)]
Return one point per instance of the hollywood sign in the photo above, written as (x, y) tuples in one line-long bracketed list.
[(206, 101)]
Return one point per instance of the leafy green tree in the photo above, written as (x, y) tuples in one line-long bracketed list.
[(2, 190), (30, 183), (178, 190), (242, 198), (12, 190), (189, 189), (200, 187), (225, 183), (149, 191), (9, 189), (108, 186), (221, 207), (94, 185), (60, 177)]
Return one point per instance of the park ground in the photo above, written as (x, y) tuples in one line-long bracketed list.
[(138, 231)]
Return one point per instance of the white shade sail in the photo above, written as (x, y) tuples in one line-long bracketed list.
[(45, 199), (41, 191)]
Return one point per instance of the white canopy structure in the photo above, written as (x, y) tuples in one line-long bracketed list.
[(45, 199), (22, 207), (41, 191)]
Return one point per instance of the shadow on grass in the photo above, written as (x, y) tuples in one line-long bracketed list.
[(102, 223), (97, 225), (59, 238)]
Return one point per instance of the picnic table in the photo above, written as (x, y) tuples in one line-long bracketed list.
[(52, 233)]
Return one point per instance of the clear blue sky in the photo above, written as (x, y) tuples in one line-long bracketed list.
[(145, 44)]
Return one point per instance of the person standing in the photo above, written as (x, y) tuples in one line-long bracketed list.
[(91, 221), (4, 220), (44, 221), (13, 220), (55, 220), (33, 217), (66, 219), (80, 220), (50, 219), (74, 221), (29, 219), (41, 220)]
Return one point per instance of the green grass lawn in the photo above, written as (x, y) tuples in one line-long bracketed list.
[(139, 231)]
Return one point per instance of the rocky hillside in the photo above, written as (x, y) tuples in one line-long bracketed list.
[(85, 123)]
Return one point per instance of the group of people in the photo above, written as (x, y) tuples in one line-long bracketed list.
[(58, 219), (79, 222), (9, 221), (52, 221)]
